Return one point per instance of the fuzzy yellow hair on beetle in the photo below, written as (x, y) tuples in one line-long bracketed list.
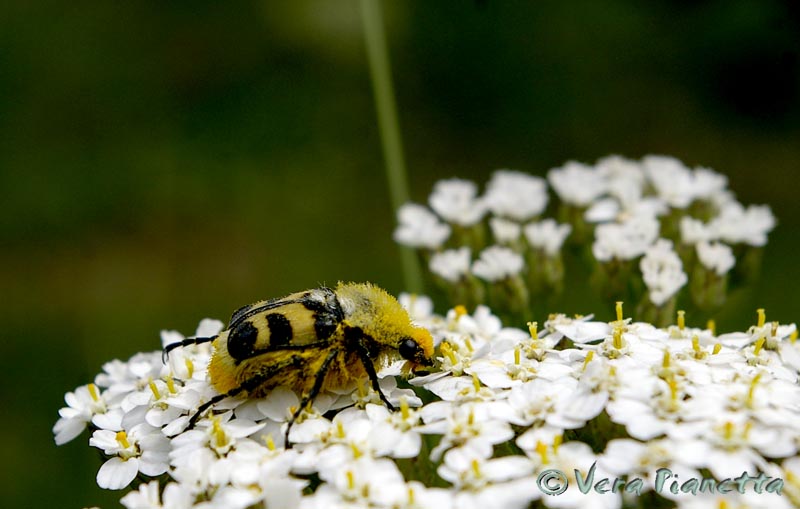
[(310, 341)]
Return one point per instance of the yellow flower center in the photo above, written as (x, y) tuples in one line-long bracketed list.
[(533, 329), (153, 388), (93, 392), (588, 359), (762, 317)]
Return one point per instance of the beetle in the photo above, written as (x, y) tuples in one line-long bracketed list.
[(310, 341)]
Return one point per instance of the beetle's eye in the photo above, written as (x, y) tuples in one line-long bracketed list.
[(408, 348)]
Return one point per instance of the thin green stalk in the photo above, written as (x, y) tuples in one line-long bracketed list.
[(389, 127)]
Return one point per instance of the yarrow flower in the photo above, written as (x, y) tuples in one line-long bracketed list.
[(456, 202), (612, 214), (577, 184), (662, 271), (715, 256), (499, 406), (506, 401), (516, 195), (504, 231), (496, 263), (547, 235), (420, 228), (625, 241), (451, 265)]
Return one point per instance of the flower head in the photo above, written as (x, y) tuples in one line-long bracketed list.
[(451, 265), (577, 184), (419, 227), (457, 202), (516, 195), (716, 256), (496, 263), (625, 241), (547, 235), (662, 270)]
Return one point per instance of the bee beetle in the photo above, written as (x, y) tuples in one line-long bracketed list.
[(320, 339)]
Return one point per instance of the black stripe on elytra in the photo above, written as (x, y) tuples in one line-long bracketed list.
[(280, 329), (316, 305), (328, 314), (242, 341), (243, 313)]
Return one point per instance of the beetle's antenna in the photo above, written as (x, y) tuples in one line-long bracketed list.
[(186, 342)]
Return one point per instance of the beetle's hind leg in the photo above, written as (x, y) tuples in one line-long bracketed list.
[(308, 397), (249, 385), (186, 342), (208, 404)]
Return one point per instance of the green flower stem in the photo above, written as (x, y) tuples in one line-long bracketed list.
[(660, 316), (573, 215), (468, 291), (389, 127), (510, 299), (707, 288), (473, 236), (545, 273)]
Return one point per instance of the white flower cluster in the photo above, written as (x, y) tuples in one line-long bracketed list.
[(620, 208), (509, 405), (459, 218)]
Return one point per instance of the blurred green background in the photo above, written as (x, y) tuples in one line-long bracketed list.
[(161, 162)]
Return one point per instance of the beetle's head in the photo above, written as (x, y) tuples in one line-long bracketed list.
[(417, 350)]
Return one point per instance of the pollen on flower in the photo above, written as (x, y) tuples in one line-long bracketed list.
[(588, 359), (557, 440), (619, 343), (759, 345), (752, 389), (541, 450), (697, 350), (218, 434), (122, 438), (476, 384), (154, 389), (468, 344), (93, 392), (411, 497), (673, 404), (269, 442), (762, 317), (681, 319)]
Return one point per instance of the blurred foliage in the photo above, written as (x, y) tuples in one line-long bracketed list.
[(165, 161)]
